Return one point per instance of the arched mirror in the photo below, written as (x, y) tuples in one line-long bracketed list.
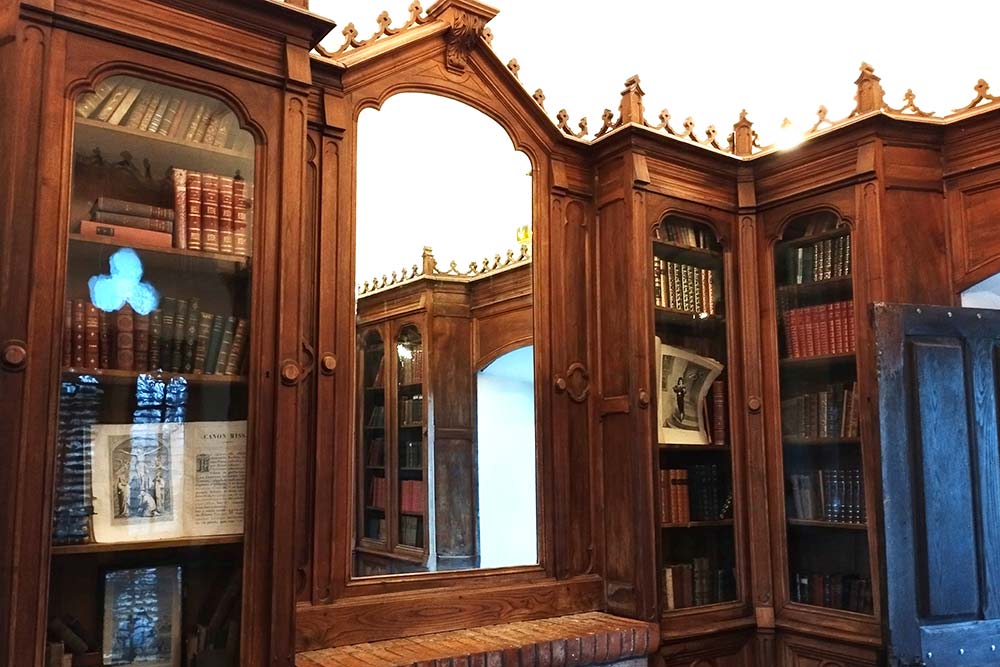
[(445, 464)]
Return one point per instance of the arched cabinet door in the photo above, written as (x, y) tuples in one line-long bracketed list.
[(410, 426), (372, 458), (154, 413)]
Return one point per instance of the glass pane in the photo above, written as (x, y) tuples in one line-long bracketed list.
[(695, 450), (824, 482), (410, 438), (373, 438), (154, 393)]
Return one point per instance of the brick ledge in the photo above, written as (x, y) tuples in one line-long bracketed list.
[(564, 641)]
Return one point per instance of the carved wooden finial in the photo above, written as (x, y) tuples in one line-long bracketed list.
[(607, 122), (539, 98), (514, 68), (488, 36), (821, 119), (982, 93), (429, 263), (743, 139), (910, 106), (630, 110), (664, 123), (870, 96)]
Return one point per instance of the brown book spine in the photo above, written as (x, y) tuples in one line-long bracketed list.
[(182, 119), (112, 102), (135, 209), (147, 117), (236, 351), (180, 330), (179, 179), (89, 102), (104, 341), (192, 128), (140, 341), (227, 125), (91, 354), (133, 222), (226, 214), (190, 336), (161, 109), (125, 339), (241, 216), (212, 129), (67, 337), (155, 333), (210, 212), (227, 342), (139, 110), (203, 124), (194, 210), (849, 307), (79, 332), (168, 116), (126, 235), (205, 321), (719, 412)]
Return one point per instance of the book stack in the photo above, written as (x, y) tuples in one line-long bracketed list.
[(212, 212), (692, 494), (830, 494), (413, 497), (146, 107), (839, 591), (411, 368), (687, 234), (177, 337), (73, 503), (696, 584), (817, 331), (688, 289), (129, 223), (409, 530), (823, 260), (411, 411), (378, 492), (829, 413)]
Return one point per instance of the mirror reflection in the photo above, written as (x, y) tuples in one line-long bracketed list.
[(445, 475)]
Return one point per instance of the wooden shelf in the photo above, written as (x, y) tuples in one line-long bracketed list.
[(162, 152), (842, 285), (695, 448), (812, 363), (411, 425), (813, 238), (419, 514), (372, 508), (833, 525), (669, 316), (819, 442), (177, 543), (115, 376), (700, 257), (717, 523), (98, 250)]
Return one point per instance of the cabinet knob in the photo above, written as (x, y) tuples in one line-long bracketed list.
[(643, 398), (754, 404), (328, 363), (15, 355), (560, 384), (290, 372)]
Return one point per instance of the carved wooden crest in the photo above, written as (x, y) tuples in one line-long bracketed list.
[(466, 29)]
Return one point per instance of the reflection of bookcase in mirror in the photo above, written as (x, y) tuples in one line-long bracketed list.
[(393, 522), (153, 398), (827, 542), (695, 451)]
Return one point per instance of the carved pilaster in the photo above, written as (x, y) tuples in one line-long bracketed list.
[(631, 110), (870, 96)]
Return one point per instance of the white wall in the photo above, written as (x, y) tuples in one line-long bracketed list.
[(984, 295)]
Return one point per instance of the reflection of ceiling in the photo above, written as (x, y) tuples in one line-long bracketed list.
[(429, 269)]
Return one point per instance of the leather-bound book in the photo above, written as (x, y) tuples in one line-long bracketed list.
[(241, 216), (138, 110), (194, 183), (239, 343), (177, 339), (147, 117), (112, 102), (214, 342), (125, 339), (133, 221), (226, 214), (190, 336), (91, 351), (719, 412), (169, 306), (210, 212), (194, 122), (104, 340), (155, 334), (205, 321), (179, 179), (140, 341), (169, 116), (225, 345), (79, 332), (125, 235), (89, 102)]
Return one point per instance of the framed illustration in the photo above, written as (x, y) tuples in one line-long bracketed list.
[(683, 381)]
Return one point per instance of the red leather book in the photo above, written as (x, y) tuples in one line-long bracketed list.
[(91, 354), (125, 235), (210, 212), (241, 216), (194, 183), (124, 339), (226, 228), (140, 342), (233, 364), (179, 179), (719, 412)]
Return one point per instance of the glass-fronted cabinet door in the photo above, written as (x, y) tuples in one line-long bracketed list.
[(149, 498), (824, 483), (375, 489), (411, 466), (694, 444)]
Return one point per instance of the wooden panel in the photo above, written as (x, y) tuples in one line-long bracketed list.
[(949, 567), (732, 649), (974, 213), (916, 240), (381, 617), (801, 651), (912, 167)]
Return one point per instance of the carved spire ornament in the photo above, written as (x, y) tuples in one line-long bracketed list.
[(821, 119), (870, 96), (562, 121), (982, 94), (607, 122), (539, 98), (630, 110), (910, 107), (743, 139), (664, 123), (514, 68)]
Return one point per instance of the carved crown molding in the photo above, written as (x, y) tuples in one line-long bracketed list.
[(428, 268)]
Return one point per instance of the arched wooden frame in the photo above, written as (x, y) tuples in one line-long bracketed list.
[(343, 608), (718, 227)]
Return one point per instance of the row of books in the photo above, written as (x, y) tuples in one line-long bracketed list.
[(410, 532), (411, 365), (692, 494), (378, 493), (831, 412), (409, 454), (838, 591), (412, 496), (73, 502), (178, 337), (828, 494), (817, 331), (689, 289), (146, 107), (686, 234), (696, 584), (376, 452), (376, 418), (823, 260), (411, 411), (212, 212)]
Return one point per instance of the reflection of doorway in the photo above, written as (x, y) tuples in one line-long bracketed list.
[(506, 460)]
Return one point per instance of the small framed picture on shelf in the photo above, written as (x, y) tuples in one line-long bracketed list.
[(142, 617), (683, 381)]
